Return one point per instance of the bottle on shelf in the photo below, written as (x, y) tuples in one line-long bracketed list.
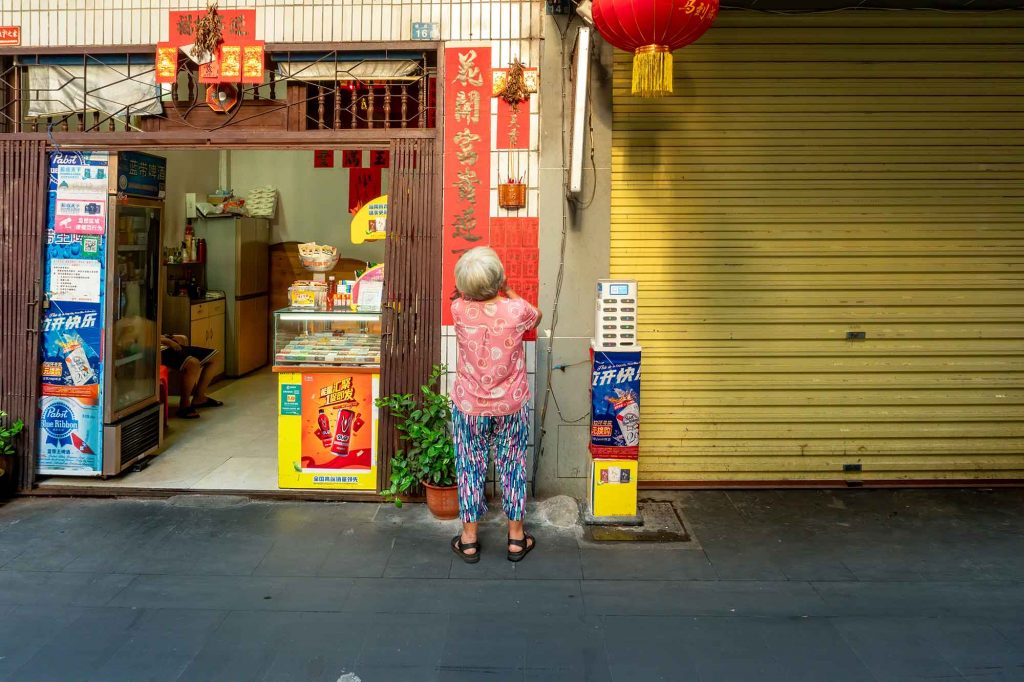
[(332, 289), (190, 237)]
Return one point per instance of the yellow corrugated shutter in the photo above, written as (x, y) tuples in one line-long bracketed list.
[(815, 176)]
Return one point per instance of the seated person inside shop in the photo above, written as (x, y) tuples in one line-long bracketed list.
[(195, 376)]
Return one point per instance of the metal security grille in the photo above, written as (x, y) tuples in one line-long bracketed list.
[(22, 229), (825, 222), (412, 315)]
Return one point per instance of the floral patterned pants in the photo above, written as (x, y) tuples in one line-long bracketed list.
[(475, 437)]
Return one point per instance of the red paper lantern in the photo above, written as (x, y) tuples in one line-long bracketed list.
[(651, 30)]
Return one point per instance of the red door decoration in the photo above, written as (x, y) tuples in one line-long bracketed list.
[(363, 187), (651, 30), (323, 158), (467, 159), (239, 58)]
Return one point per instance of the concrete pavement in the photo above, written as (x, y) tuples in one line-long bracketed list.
[(796, 585)]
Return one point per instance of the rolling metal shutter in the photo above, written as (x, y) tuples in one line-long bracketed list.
[(815, 178)]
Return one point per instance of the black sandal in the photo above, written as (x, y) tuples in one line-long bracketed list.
[(526, 545), (188, 413), (209, 402), (460, 547)]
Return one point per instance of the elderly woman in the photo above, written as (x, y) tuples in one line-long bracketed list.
[(490, 397)]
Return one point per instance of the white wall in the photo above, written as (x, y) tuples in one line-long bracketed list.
[(67, 23), (187, 171), (312, 203)]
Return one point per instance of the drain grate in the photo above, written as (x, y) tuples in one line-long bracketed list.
[(662, 523)]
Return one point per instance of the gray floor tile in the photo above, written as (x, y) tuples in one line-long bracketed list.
[(82, 646), (160, 644), (61, 589), (231, 593), (892, 651), (645, 563), (414, 640), (419, 558), (727, 598), (244, 646), (25, 630), (360, 552)]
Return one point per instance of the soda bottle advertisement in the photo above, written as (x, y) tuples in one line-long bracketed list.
[(71, 342), (615, 408), (337, 423)]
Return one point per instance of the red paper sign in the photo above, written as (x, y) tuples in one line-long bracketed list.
[(352, 158), (363, 187), (380, 158), (467, 154), (515, 242), (513, 126), (10, 35), (239, 58), (323, 158)]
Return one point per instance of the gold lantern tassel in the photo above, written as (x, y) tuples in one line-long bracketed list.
[(652, 71)]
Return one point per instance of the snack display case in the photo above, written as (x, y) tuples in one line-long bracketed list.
[(328, 368)]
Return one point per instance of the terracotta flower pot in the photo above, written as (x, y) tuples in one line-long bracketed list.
[(443, 501)]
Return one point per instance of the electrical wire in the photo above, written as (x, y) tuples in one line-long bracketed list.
[(549, 393)]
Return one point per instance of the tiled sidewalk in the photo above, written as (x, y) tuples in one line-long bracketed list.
[(818, 586)]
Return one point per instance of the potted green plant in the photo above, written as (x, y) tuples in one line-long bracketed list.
[(8, 432), (423, 423)]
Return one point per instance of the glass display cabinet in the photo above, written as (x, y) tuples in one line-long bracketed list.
[(305, 337), (328, 378)]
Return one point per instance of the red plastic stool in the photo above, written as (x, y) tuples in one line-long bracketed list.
[(165, 377)]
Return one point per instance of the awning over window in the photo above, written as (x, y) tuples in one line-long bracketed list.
[(364, 70), (56, 90)]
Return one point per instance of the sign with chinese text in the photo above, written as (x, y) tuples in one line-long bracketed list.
[(141, 175), (371, 222), (514, 121), (615, 404), (323, 158), (332, 442), (10, 36), (515, 242), (238, 59), (467, 158), (363, 187), (71, 339)]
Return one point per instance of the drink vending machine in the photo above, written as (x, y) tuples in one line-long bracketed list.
[(615, 406)]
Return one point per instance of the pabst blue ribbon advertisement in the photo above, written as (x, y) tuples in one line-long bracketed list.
[(615, 408), (71, 347)]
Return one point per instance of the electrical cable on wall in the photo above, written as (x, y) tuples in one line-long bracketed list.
[(549, 393)]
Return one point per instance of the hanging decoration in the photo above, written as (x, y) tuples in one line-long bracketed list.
[(222, 43), (512, 87), (651, 30)]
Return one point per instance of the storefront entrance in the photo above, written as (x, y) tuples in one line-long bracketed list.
[(270, 329)]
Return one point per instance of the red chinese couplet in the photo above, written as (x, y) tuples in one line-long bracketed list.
[(380, 158), (467, 159), (515, 242), (323, 158), (352, 158), (513, 125), (363, 187)]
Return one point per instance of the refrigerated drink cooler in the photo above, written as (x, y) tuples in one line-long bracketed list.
[(99, 410)]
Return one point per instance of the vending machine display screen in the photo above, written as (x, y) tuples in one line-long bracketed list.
[(618, 289)]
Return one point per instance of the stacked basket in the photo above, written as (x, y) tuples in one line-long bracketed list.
[(262, 202)]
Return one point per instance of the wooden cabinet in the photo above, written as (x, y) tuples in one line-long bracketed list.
[(202, 321)]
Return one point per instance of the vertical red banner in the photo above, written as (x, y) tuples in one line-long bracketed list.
[(467, 158)]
